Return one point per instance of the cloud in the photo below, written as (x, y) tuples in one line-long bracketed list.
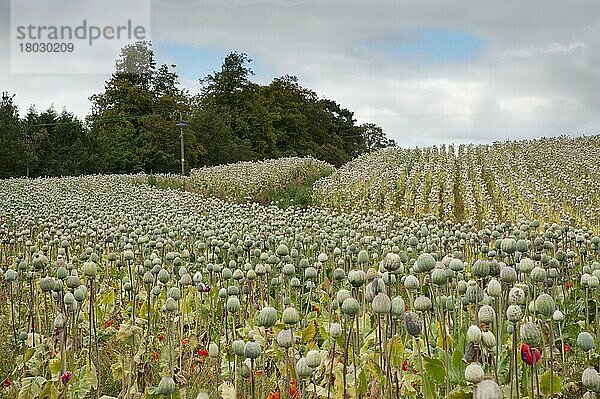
[(426, 71)]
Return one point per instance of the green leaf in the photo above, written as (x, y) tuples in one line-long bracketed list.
[(461, 393), (434, 369), (309, 332), (457, 367), (545, 383), (31, 387)]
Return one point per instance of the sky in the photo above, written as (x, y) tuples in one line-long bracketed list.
[(428, 72)]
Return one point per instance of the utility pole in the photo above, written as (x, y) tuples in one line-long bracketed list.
[(181, 123)]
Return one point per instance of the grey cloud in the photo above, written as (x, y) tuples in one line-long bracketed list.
[(538, 73)]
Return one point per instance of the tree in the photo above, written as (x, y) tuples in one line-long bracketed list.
[(134, 118), (13, 148), (375, 138)]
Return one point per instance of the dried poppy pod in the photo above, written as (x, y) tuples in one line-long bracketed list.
[(412, 323)]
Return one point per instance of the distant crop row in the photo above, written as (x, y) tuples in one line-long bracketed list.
[(550, 178)]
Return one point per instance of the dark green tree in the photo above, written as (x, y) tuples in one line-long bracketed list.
[(14, 154), (134, 119)]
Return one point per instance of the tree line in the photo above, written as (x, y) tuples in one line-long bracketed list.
[(133, 124)]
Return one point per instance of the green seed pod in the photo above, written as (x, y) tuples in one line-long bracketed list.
[(481, 268), (303, 369), (46, 283), (558, 315), (59, 321), (285, 338), (591, 379), (58, 286), (397, 306), (381, 304), (474, 334), (392, 262), (450, 303), (339, 274), (313, 358), (335, 330), (237, 347), (494, 288), (411, 282), (363, 257), (526, 265), (288, 269), (508, 245), (474, 293), (516, 296), (10, 275), (422, 304), (252, 350), (488, 389), (166, 386), (456, 265), (163, 276), (486, 314), (350, 306), (538, 274), (508, 275), (530, 333), (213, 350), (290, 316), (170, 305), (514, 313), (267, 317), (342, 295), (62, 273), (148, 278), (439, 277), (79, 295), (544, 305), (246, 370), (474, 373), (585, 341), (69, 299), (412, 323), (89, 269), (23, 336), (425, 262), (175, 293), (357, 278), (310, 273), (488, 339), (233, 304)]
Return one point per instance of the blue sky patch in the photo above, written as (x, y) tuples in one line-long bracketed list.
[(435, 45), (194, 62)]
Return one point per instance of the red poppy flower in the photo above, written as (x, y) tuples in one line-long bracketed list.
[(527, 354), (202, 352), (405, 365), (274, 395), (160, 338), (566, 348), (66, 377), (185, 341), (316, 309), (7, 383), (108, 323)]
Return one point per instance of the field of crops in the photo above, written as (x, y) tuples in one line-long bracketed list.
[(442, 272), (554, 179)]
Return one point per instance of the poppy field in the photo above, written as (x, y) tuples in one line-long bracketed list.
[(430, 273)]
